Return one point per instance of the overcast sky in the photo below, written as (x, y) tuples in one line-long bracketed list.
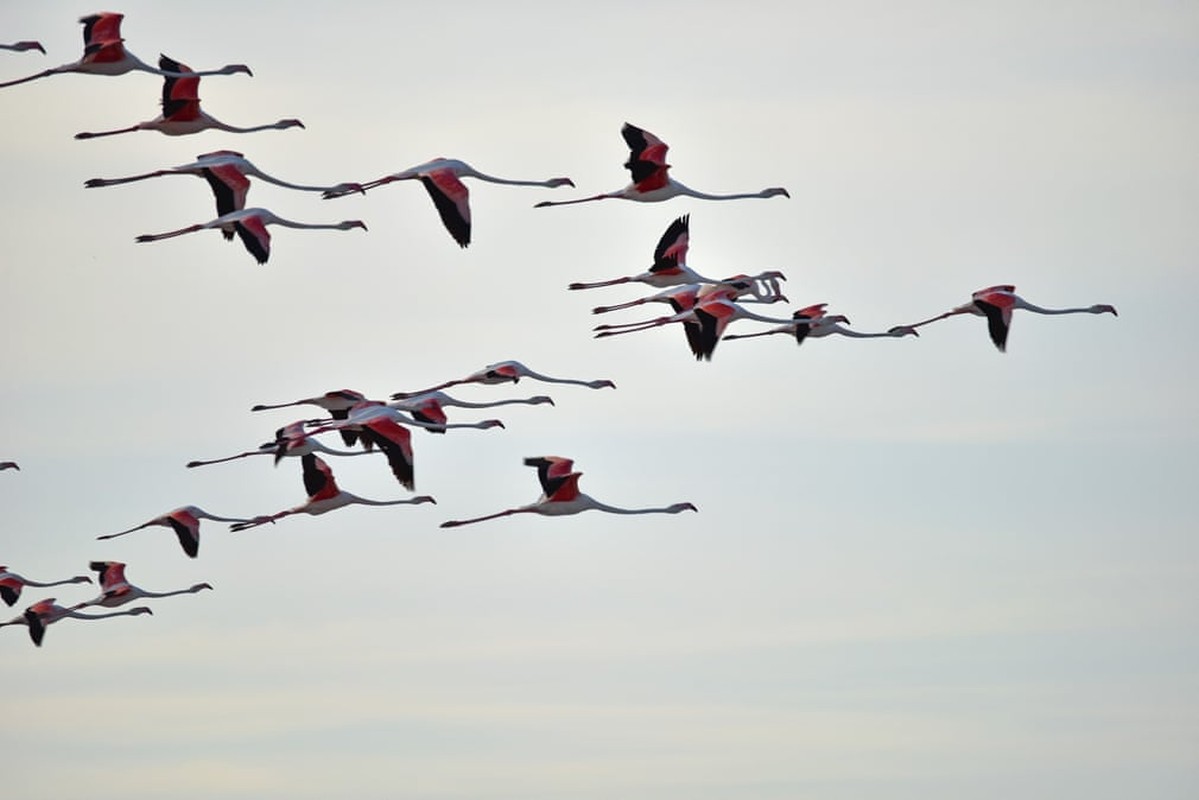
[(920, 568)]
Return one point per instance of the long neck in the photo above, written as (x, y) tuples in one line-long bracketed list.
[(548, 379), (189, 590), (78, 615), (835, 328), (299, 187), (222, 126), (1027, 306), (598, 506), (742, 313), (687, 190), (508, 181), (320, 448)]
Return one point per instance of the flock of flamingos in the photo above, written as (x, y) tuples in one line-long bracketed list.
[(703, 306)]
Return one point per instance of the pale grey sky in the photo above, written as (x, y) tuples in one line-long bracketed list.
[(921, 569)]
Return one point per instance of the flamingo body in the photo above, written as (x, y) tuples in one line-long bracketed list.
[(324, 496), (250, 225), (115, 590), (104, 53), (442, 178), (651, 182), (997, 303), (561, 496)]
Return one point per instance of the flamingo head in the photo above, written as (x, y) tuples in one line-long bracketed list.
[(423, 498), (492, 423), (140, 610), (680, 507), (1104, 308), (283, 124), (233, 69), (77, 579), (345, 225), (602, 384), (199, 587), (903, 330), (541, 399), (774, 190), (555, 182)]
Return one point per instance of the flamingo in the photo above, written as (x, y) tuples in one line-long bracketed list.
[(181, 114), (21, 46), (711, 313), (505, 372), (250, 224), (812, 322), (378, 424), (997, 303), (338, 403), (428, 407), (185, 521), (116, 591), (650, 183), (104, 53), (561, 495), (11, 584), (9, 465), (45, 612), (324, 496), (684, 296), (670, 268), (442, 178), (290, 440), (227, 172)]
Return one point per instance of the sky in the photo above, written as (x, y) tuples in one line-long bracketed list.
[(920, 568)]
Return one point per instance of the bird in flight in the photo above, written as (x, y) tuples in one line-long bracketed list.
[(505, 372), (250, 224), (561, 496), (11, 584), (650, 181), (442, 178), (997, 303), (104, 53), (324, 496), (43, 613), (185, 522), (116, 591), (812, 322)]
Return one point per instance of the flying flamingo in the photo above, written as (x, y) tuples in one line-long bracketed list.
[(382, 426), (442, 179), (185, 522), (428, 407), (227, 172), (45, 612), (338, 403), (670, 267), (116, 591), (11, 584), (997, 303), (181, 114), (505, 372), (712, 314), (104, 53), (561, 495), (9, 465), (324, 496), (250, 224), (812, 323), (26, 45), (650, 183), (684, 296), (290, 440)]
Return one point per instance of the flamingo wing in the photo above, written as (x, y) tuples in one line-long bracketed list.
[(254, 235), (109, 573), (396, 443), (180, 96), (318, 479), (10, 591), (672, 247), (432, 413), (551, 471), (647, 158), (102, 27), (187, 528), (452, 199), (103, 52), (567, 490), (229, 187), (37, 628)]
